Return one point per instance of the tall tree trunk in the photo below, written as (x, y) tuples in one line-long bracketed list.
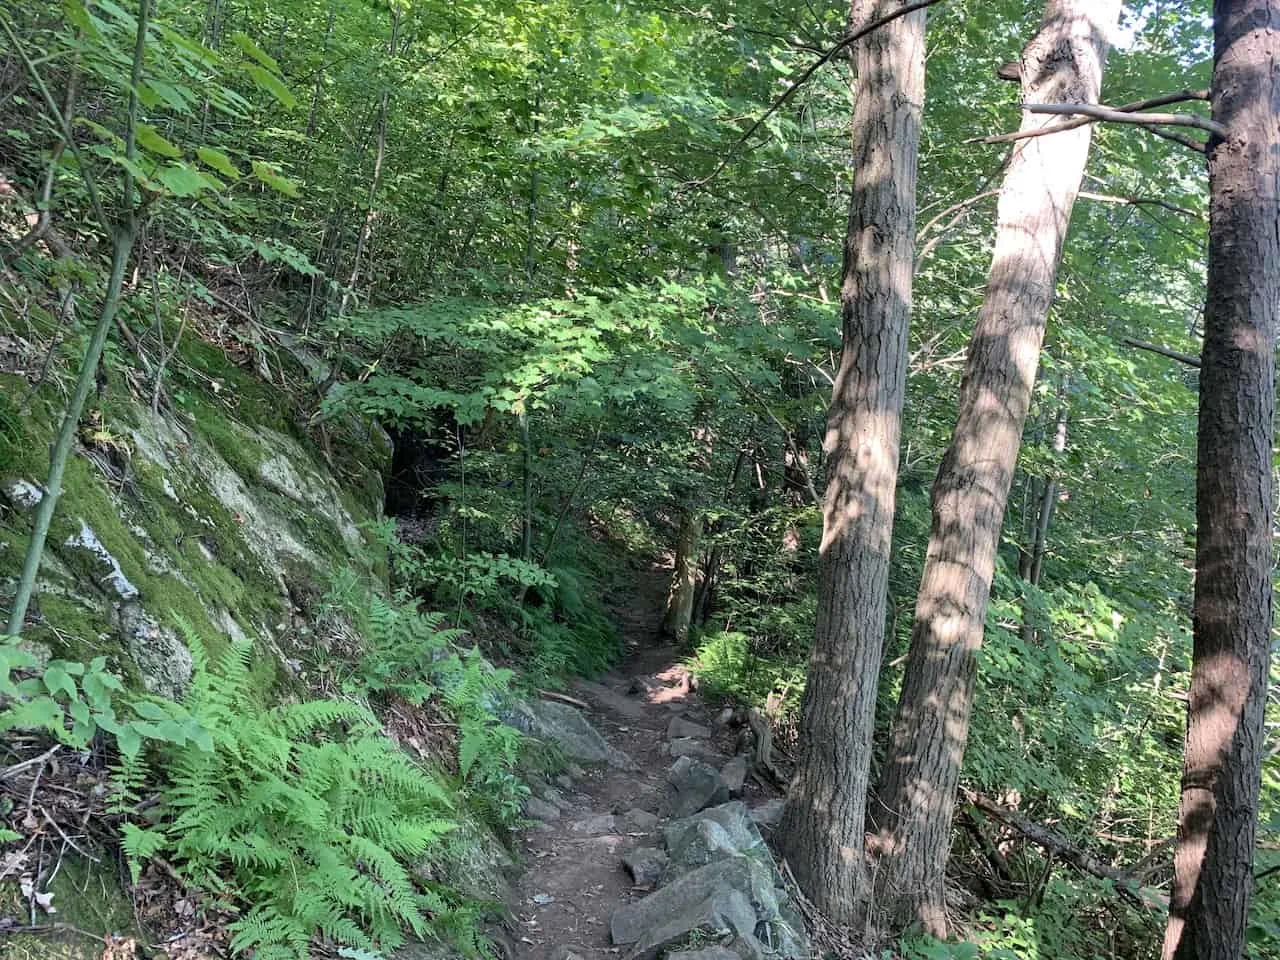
[(823, 823), (375, 181), (679, 613), (1062, 63), (1232, 607)]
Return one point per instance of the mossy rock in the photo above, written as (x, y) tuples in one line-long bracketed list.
[(88, 899)]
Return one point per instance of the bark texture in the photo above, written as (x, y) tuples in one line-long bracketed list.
[(1232, 609), (1062, 64), (823, 826), (684, 578)]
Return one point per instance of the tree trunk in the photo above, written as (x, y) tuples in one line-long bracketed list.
[(823, 824), (375, 181), (675, 624), (1062, 63), (1232, 607), (1048, 499)]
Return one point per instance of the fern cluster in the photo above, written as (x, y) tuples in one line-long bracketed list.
[(412, 656), (304, 812)]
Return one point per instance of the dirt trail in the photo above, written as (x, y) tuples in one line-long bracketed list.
[(574, 878)]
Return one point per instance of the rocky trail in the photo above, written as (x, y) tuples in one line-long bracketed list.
[(651, 840)]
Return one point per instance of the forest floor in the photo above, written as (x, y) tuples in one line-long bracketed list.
[(574, 877)]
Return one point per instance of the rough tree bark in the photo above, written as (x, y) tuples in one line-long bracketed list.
[(1232, 608), (684, 579), (823, 825), (1062, 63)]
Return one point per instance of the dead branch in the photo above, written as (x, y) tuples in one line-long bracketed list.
[(1141, 202), (804, 78), (1188, 359), (1064, 849), (564, 698), (1164, 100), (1112, 115)]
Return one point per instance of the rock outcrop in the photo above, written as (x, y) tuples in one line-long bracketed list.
[(719, 883)]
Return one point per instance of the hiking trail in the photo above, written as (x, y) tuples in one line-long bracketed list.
[(588, 818)]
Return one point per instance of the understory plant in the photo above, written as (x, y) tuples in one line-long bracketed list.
[(304, 812)]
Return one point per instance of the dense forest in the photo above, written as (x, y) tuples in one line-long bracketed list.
[(385, 384)]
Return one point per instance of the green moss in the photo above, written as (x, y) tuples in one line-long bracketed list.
[(242, 451), (251, 400), (26, 427), (89, 899)]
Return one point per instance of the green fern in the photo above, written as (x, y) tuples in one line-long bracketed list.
[(306, 812)]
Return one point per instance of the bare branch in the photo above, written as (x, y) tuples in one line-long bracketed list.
[(1181, 96), (805, 77), (788, 434), (1142, 202), (1061, 846), (1187, 142), (1112, 115), (1188, 359)]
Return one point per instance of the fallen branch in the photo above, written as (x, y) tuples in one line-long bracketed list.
[(1186, 358), (1061, 847), (8, 772), (564, 698)]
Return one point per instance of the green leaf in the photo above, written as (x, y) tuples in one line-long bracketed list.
[(149, 710), (128, 741), (272, 84), (182, 179), (151, 141), (245, 43), (218, 161), (57, 680), (272, 179), (36, 713)]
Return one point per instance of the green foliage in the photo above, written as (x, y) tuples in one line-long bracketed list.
[(72, 701), (452, 215), (304, 811)]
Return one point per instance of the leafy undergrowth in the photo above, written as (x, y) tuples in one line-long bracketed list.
[(304, 822)]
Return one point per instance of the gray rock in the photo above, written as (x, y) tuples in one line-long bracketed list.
[(541, 810), (596, 824), (733, 818), (701, 843), (564, 952), (107, 572), (640, 821), (692, 747), (163, 660), (566, 728), (724, 717), (552, 795), (610, 699), (645, 864), (729, 895), (768, 814), (565, 782), (24, 495), (734, 774), (696, 786), (784, 935), (680, 727), (723, 831)]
